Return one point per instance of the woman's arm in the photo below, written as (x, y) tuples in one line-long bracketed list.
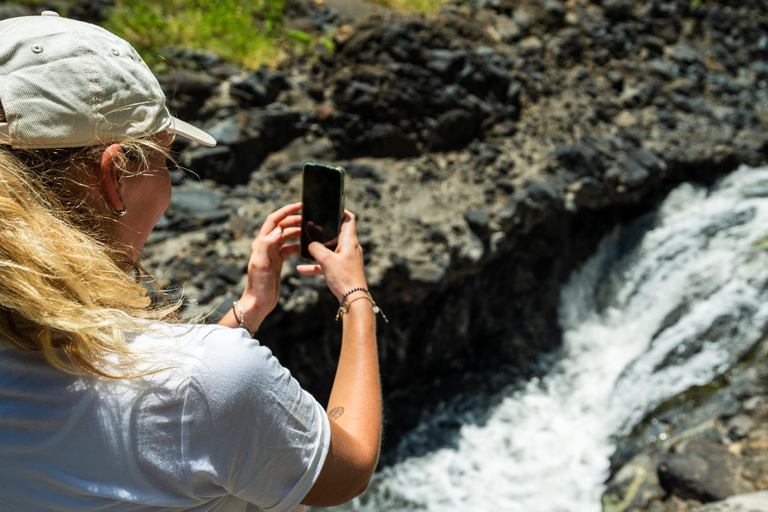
[(354, 407), (268, 253)]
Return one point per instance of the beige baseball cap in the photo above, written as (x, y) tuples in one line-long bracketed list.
[(67, 83)]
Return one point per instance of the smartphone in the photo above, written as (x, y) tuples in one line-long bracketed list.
[(322, 198)]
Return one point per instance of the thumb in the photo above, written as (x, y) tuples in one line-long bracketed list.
[(317, 250)]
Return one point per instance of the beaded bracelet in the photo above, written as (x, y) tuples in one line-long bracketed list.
[(344, 305)]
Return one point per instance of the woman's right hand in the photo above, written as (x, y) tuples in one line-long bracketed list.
[(343, 268)]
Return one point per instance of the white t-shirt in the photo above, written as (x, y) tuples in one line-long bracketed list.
[(225, 429)]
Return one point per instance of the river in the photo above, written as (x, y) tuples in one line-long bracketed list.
[(668, 301)]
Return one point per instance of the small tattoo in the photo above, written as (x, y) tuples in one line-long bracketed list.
[(336, 413)]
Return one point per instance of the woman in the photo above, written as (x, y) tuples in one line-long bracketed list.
[(107, 403)]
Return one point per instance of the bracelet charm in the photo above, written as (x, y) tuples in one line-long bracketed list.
[(344, 305)]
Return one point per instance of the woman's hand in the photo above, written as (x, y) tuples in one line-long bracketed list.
[(342, 268), (268, 252)]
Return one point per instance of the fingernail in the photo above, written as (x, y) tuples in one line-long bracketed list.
[(276, 233)]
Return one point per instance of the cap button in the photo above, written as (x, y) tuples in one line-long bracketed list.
[(49, 13)]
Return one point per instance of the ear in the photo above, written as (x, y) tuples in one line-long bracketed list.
[(109, 178)]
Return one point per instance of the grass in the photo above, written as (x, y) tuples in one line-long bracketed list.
[(249, 33), (411, 5)]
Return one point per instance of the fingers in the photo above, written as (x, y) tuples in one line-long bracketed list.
[(348, 232), (291, 222), (274, 219), (289, 250), (309, 270)]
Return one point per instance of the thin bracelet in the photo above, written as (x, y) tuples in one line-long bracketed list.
[(344, 306), (241, 322)]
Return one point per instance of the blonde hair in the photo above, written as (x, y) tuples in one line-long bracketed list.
[(68, 291)]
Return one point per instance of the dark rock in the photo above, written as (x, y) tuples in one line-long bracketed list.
[(629, 172), (685, 53), (507, 186), (188, 90), (588, 192), (285, 173), (487, 153), (654, 44), (227, 272), (618, 9), (196, 200), (446, 62), (508, 213), (542, 193), (616, 79), (259, 88), (586, 157), (479, 221), (705, 471), (760, 69), (663, 68), (192, 59), (386, 140), (214, 163), (229, 131), (357, 170), (455, 128)]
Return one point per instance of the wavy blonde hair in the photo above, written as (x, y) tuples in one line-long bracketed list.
[(68, 291)]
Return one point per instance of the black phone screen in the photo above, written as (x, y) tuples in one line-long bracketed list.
[(322, 206)]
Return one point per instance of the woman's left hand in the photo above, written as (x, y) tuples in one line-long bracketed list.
[(268, 253)]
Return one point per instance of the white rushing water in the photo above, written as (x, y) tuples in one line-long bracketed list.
[(667, 302)]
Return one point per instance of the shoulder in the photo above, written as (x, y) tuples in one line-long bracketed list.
[(200, 346)]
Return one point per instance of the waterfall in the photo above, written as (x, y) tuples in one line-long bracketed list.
[(668, 301)]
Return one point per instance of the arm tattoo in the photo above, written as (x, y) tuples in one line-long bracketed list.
[(336, 413)]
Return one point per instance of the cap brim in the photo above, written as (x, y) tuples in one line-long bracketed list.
[(177, 126), (190, 132)]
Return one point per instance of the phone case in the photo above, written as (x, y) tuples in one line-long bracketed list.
[(342, 198)]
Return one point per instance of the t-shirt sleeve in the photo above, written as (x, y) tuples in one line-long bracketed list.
[(248, 428)]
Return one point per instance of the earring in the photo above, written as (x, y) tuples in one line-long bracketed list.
[(120, 213)]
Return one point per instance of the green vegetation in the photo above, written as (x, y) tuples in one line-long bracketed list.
[(411, 5), (250, 33), (247, 33)]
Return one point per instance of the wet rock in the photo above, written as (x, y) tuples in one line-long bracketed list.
[(739, 426), (705, 471)]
